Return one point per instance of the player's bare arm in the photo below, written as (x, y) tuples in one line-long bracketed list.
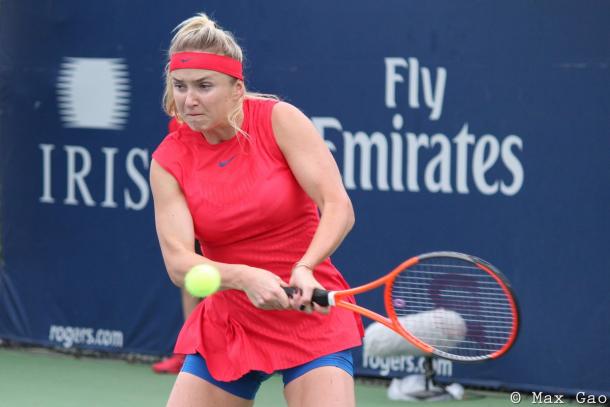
[(176, 236), (316, 171)]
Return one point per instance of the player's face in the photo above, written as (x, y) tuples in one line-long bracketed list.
[(205, 98)]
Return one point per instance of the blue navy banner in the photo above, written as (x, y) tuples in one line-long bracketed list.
[(467, 126)]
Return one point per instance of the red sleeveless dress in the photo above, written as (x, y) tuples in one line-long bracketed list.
[(248, 208)]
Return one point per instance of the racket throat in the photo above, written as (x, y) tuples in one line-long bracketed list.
[(331, 298)]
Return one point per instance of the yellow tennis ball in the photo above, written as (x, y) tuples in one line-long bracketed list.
[(202, 280)]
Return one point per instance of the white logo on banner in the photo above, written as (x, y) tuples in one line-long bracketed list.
[(415, 160), (93, 93)]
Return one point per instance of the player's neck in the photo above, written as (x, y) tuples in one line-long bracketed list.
[(223, 132)]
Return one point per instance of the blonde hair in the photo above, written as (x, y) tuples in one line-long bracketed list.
[(200, 33)]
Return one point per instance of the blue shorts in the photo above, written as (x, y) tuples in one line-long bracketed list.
[(247, 385)]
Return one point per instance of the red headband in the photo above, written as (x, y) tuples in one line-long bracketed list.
[(205, 60)]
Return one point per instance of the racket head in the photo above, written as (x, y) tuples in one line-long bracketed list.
[(453, 305)]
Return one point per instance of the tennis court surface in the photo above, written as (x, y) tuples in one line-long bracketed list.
[(41, 378)]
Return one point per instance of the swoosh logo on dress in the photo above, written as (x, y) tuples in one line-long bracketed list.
[(185, 60), (224, 163)]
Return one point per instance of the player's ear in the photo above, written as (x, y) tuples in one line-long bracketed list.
[(239, 89)]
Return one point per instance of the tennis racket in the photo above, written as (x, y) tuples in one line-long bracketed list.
[(448, 304)]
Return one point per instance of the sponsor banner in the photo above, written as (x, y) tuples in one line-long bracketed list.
[(471, 128), (68, 337), (403, 365)]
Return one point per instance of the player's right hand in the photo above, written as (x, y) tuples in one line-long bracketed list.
[(264, 289)]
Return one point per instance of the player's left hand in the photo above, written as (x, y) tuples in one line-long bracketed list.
[(303, 279)]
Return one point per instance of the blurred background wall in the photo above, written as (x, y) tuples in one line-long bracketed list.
[(480, 127)]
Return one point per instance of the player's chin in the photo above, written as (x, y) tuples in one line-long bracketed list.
[(196, 122)]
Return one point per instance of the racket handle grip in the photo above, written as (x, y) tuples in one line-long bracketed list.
[(319, 296)]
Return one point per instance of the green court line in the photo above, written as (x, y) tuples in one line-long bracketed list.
[(40, 378)]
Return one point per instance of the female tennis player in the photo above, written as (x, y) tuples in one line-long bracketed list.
[(246, 175)]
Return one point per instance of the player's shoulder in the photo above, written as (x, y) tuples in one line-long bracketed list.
[(176, 142), (287, 115), (259, 108), (181, 134), (170, 141), (283, 107)]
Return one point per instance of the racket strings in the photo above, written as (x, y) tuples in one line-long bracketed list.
[(454, 306)]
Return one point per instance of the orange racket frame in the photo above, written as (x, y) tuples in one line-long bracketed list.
[(338, 299)]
